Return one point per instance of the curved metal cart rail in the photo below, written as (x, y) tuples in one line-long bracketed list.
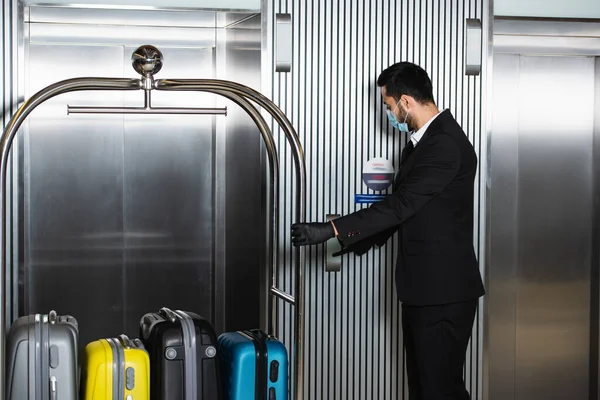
[(147, 60)]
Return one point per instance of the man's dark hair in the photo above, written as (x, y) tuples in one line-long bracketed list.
[(409, 79)]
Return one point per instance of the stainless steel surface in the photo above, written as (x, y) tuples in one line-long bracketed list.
[(130, 199), (595, 267), (240, 48), (233, 6), (132, 17), (484, 192), (283, 296), (300, 197), (141, 110), (353, 336), (11, 83), (5, 144), (214, 86), (122, 26), (330, 96), (267, 317), (147, 60), (473, 43), (168, 176), (117, 35), (546, 27), (88, 84), (546, 45), (283, 43), (244, 20), (502, 249), (546, 37), (542, 274), (138, 249)]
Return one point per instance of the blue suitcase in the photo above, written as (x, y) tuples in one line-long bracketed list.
[(254, 366)]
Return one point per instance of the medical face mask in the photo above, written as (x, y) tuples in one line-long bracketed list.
[(401, 126)]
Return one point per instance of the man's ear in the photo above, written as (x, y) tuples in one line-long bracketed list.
[(407, 102)]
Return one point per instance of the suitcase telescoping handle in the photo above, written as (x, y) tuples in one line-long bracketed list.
[(128, 343), (148, 319), (125, 341), (167, 313), (52, 317)]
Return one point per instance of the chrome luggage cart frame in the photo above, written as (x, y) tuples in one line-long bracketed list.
[(147, 61)]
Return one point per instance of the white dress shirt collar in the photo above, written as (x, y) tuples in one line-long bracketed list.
[(416, 136)]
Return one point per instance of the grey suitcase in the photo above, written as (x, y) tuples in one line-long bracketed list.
[(41, 354)]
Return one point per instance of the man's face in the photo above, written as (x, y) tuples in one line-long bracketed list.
[(397, 108), (389, 101)]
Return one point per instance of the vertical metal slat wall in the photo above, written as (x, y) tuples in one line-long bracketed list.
[(10, 51), (9, 59), (354, 339)]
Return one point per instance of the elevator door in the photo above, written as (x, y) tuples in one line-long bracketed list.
[(541, 251), (118, 208), (119, 212)]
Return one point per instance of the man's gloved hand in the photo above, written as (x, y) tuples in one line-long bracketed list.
[(358, 249), (312, 233)]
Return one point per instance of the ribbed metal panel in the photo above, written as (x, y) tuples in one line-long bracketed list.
[(354, 340), (9, 59)]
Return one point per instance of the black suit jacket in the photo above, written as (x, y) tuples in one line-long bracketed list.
[(432, 210)]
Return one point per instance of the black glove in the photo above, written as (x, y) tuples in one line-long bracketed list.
[(312, 233), (358, 249)]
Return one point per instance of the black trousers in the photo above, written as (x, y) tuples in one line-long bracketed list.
[(436, 338)]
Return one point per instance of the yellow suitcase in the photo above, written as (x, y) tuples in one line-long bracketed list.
[(116, 369)]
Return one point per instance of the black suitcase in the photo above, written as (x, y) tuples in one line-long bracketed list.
[(183, 356)]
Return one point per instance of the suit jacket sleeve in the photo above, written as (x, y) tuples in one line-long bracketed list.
[(437, 165), (378, 239)]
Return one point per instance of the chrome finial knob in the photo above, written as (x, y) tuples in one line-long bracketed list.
[(147, 60)]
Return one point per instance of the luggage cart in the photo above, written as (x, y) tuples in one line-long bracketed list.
[(147, 61)]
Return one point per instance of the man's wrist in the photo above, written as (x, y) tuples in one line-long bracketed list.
[(335, 231)]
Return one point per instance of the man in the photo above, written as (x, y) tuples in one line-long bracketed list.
[(431, 208)]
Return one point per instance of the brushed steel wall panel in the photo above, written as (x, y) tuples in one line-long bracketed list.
[(595, 267), (354, 340), (73, 190), (244, 178), (168, 197), (553, 274), (503, 211)]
